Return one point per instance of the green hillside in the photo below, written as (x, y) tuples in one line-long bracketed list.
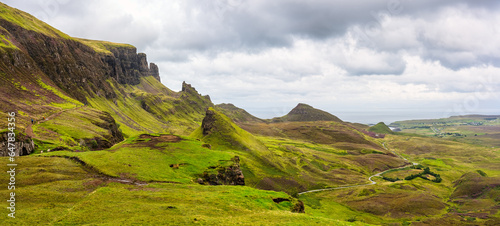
[(304, 113), (109, 144), (380, 127), (236, 114)]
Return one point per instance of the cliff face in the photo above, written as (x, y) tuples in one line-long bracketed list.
[(126, 66), (23, 145), (44, 72), (75, 67)]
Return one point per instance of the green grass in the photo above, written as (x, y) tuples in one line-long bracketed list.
[(168, 112), (304, 112), (6, 43), (58, 93), (328, 208), (57, 191), (139, 160), (473, 129), (103, 46), (380, 128), (72, 129), (28, 22), (228, 135), (292, 165)]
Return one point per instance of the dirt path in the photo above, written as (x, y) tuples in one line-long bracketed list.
[(29, 131), (29, 128), (372, 182)]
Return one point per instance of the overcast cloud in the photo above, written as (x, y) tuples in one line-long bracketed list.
[(395, 58)]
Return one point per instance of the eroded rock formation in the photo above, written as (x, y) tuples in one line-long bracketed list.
[(225, 175), (23, 145)]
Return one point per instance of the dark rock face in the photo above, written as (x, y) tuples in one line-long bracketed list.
[(230, 175), (208, 123), (279, 200), (187, 88), (154, 71), (73, 66), (127, 66), (112, 137), (298, 207), (23, 145)]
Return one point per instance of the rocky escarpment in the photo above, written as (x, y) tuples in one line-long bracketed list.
[(79, 67), (23, 145), (126, 66), (209, 122), (113, 135)]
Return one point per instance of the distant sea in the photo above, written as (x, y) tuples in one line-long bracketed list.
[(386, 116)]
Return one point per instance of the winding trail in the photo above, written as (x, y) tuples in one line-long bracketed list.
[(372, 182), (29, 128)]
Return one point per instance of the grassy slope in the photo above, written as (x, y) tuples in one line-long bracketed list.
[(103, 46), (59, 191), (72, 129), (151, 107), (304, 113), (31, 93), (53, 186), (337, 134), (380, 128), (28, 22), (420, 200), (146, 160), (236, 114), (294, 165)]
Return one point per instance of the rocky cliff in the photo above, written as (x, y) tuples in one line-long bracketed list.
[(45, 72), (79, 67), (23, 145)]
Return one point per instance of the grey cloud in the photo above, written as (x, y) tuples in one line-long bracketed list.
[(397, 69)]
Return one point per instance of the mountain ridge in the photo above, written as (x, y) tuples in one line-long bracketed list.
[(305, 113), (45, 71)]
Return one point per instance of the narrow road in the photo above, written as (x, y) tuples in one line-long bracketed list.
[(352, 186), (372, 182)]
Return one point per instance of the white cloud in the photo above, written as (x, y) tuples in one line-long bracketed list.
[(268, 55)]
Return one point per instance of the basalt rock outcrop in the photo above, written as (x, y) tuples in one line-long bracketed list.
[(23, 145), (127, 66), (79, 67), (224, 175), (209, 122), (112, 137)]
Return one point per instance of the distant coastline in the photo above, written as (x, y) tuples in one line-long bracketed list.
[(388, 117)]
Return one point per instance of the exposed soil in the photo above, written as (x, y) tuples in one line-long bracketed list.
[(278, 200), (162, 138), (29, 131)]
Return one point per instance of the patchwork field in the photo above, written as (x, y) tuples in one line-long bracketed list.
[(473, 129)]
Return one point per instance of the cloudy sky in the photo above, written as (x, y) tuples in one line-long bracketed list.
[(392, 59)]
